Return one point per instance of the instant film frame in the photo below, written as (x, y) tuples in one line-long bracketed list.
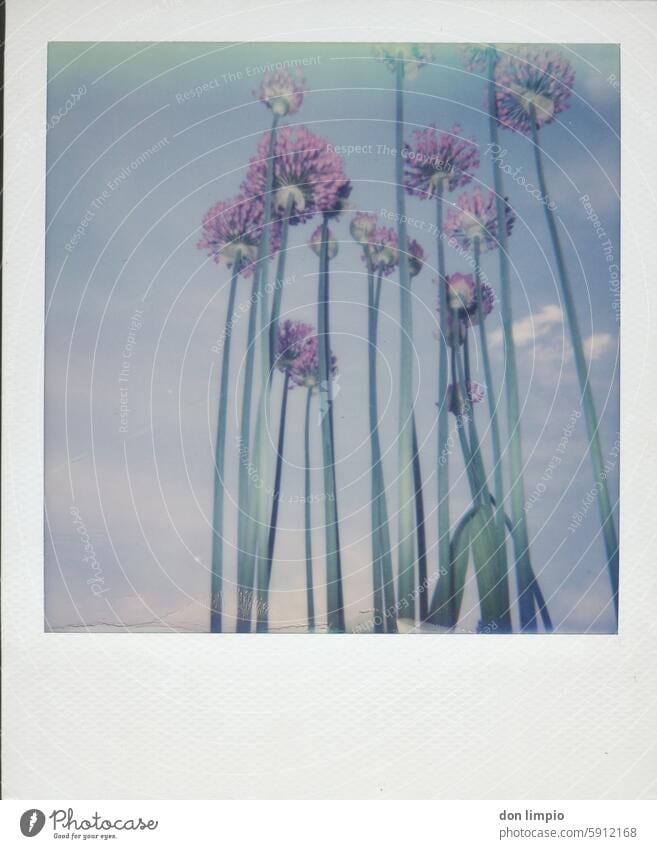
[(208, 682)]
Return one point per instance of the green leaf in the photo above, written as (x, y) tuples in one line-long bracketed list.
[(448, 596), (492, 583)]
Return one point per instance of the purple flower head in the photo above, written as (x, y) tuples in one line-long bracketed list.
[(412, 56), (462, 299), (475, 57), (455, 401), (438, 160), (315, 243), (306, 366), (461, 293), (308, 175), (292, 338), (534, 80), (234, 227), (282, 91), (475, 217), (382, 250), (415, 257), (363, 224), (487, 304)]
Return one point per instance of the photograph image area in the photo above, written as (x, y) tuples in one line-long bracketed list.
[(332, 338)]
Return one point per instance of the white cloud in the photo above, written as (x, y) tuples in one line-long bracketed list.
[(595, 346), (534, 326)]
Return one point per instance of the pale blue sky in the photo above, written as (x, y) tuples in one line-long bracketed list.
[(144, 495)]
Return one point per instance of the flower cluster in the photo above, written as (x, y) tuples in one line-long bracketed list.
[(308, 175), (475, 217), (315, 243), (363, 224), (292, 338), (438, 161), (282, 91), (297, 353), (415, 257), (532, 80), (463, 307), (382, 250), (412, 56), (475, 57), (234, 227)]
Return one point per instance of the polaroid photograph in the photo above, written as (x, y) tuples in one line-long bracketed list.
[(314, 326)]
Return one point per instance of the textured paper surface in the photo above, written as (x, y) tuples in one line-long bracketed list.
[(186, 716)]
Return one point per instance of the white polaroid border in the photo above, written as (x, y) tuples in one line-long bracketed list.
[(188, 716)]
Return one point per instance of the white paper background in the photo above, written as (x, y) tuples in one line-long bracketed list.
[(188, 716)]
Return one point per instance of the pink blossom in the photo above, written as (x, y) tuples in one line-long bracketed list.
[(282, 91), (235, 226), (307, 174), (315, 243), (475, 216), (533, 79), (436, 161), (305, 371), (415, 257), (382, 250), (291, 342), (363, 224)]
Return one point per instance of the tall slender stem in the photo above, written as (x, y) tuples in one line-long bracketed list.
[(406, 543), (444, 559), (216, 592), (375, 454), (492, 398), (590, 416), (308, 516), (390, 614), (420, 529), (261, 458), (334, 593), (524, 574), (252, 501), (475, 446), (263, 609), (278, 287), (245, 554)]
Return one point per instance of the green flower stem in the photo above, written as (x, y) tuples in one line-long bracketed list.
[(464, 416), (444, 558), (334, 593), (263, 611), (475, 445), (590, 416), (406, 543), (538, 595), (278, 288), (390, 616), (261, 437), (252, 502), (420, 530), (245, 562), (524, 574), (492, 406), (308, 516), (220, 461), (375, 453), (460, 426), (500, 587)]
